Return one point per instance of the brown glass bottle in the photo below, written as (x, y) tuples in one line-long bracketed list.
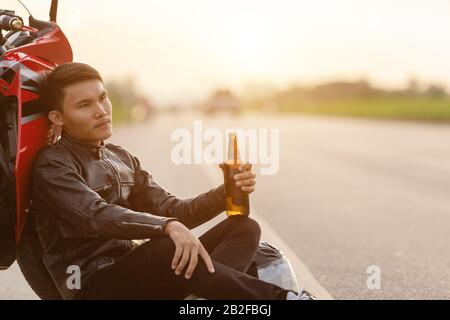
[(236, 201)]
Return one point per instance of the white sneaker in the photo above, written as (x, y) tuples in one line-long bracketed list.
[(303, 295)]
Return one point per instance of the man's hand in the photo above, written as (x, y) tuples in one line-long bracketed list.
[(188, 247), (246, 179)]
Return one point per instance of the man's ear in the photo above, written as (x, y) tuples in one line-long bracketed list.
[(56, 118)]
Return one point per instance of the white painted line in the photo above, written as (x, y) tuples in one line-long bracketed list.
[(304, 277)]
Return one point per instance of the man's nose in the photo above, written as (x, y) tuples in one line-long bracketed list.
[(101, 110)]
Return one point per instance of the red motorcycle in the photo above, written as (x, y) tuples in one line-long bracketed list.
[(26, 52)]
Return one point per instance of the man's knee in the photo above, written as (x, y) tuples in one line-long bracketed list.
[(251, 227), (255, 227)]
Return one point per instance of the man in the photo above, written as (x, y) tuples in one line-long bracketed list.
[(90, 199)]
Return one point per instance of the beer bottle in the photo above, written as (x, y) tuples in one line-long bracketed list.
[(236, 200)]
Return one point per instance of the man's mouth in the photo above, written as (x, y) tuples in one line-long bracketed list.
[(102, 123)]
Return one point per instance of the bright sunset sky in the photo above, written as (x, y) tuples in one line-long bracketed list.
[(180, 50)]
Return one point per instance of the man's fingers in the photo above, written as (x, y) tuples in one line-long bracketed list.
[(245, 166), (183, 261), (248, 189), (205, 256), (244, 175), (176, 256), (192, 263), (247, 182)]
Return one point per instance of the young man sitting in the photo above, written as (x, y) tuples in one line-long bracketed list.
[(90, 199)]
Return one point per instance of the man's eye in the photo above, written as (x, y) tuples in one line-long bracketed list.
[(84, 105)]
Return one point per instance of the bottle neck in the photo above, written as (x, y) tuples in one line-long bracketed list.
[(233, 151)]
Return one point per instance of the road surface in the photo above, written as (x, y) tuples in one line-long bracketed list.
[(349, 194)]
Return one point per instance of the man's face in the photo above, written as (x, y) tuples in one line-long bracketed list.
[(86, 108)]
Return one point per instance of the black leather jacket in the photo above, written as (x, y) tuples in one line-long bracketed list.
[(90, 202)]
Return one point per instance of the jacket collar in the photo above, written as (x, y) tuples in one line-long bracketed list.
[(97, 151)]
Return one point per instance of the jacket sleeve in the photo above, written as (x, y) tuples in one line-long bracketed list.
[(59, 186), (147, 195)]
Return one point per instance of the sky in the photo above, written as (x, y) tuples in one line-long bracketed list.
[(179, 51)]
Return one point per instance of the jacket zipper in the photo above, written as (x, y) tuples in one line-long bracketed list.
[(116, 174)]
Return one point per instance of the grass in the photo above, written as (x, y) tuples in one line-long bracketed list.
[(397, 108)]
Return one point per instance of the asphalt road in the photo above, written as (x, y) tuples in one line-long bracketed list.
[(349, 194)]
